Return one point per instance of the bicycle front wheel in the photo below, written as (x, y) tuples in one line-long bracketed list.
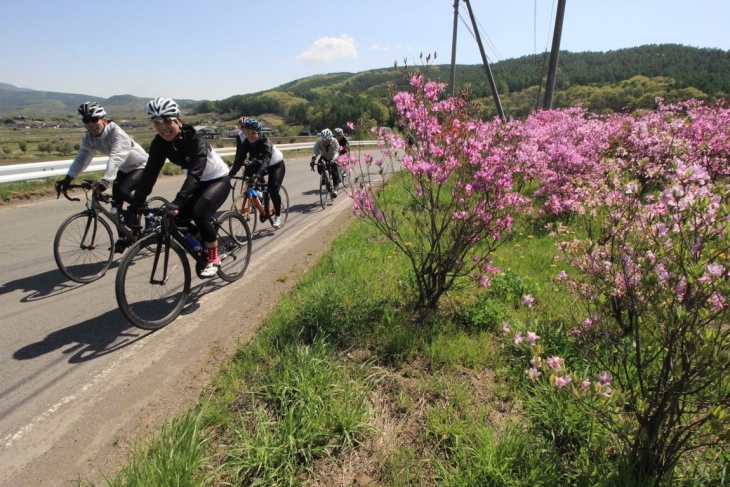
[(243, 204), (234, 245), (345, 177), (83, 247), (153, 282), (324, 191), (156, 202)]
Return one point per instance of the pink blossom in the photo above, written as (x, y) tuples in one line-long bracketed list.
[(527, 300), (533, 374), (505, 326), (585, 384), (563, 381), (532, 337), (518, 338), (604, 378), (555, 363)]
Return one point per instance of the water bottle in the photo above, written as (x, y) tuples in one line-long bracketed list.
[(259, 194), (193, 242)]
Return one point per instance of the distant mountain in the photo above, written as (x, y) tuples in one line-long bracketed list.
[(9, 87), (31, 103)]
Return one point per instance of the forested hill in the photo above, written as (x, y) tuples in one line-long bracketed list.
[(611, 81)]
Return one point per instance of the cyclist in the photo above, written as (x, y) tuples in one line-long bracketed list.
[(206, 184), (342, 140), (264, 158), (124, 167), (328, 148)]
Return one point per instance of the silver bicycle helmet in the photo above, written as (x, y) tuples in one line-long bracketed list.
[(91, 109), (338, 131), (326, 134), (163, 107)]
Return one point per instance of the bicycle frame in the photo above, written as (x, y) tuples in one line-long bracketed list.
[(94, 206), (168, 230), (253, 197)]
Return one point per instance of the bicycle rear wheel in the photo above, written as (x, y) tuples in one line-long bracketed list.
[(234, 245), (83, 247), (243, 205), (324, 190), (151, 291)]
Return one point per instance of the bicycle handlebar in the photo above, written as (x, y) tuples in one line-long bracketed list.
[(86, 185)]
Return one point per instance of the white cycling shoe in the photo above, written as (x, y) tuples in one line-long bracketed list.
[(277, 222), (211, 269)]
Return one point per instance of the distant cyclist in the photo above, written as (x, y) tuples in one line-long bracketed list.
[(206, 184), (342, 140), (264, 158), (126, 162), (328, 149)]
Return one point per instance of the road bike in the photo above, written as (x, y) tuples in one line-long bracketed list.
[(154, 276), (326, 184), (252, 198), (84, 245)]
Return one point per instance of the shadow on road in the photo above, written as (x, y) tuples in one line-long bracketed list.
[(41, 286), (87, 340)]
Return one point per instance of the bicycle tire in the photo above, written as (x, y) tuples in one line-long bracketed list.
[(324, 192), (78, 260), (145, 299), (234, 245), (156, 202), (345, 177), (244, 207)]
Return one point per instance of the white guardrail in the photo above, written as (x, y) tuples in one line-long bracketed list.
[(50, 169)]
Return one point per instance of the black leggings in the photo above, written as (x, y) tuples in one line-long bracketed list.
[(124, 186), (208, 197), (276, 177)]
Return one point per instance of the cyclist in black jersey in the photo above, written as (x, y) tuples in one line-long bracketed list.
[(206, 185), (342, 140), (264, 159)]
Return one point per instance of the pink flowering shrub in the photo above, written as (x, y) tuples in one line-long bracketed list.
[(455, 197)]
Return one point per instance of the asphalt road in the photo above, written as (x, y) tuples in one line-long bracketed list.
[(74, 375)]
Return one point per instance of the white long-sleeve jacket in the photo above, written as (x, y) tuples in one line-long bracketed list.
[(124, 154)]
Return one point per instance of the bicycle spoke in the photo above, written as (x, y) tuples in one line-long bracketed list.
[(234, 246), (83, 247), (153, 283)]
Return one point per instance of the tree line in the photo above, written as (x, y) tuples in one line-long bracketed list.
[(621, 80)]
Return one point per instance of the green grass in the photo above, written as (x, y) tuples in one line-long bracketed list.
[(342, 380)]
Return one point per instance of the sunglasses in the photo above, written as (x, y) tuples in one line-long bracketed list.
[(88, 120), (158, 122)]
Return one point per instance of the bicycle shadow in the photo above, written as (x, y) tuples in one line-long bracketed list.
[(40, 286), (87, 340)]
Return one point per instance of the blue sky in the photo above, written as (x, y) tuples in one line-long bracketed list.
[(213, 49)]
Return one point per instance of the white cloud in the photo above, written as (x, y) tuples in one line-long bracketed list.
[(378, 47), (327, 49)]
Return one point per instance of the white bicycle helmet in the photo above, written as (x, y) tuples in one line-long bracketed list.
[(163, 107), (326, 134), (91, 109), (338, 131)]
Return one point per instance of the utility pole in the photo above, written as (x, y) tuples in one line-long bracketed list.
[(453, 49), (554, 52), (495, 95)]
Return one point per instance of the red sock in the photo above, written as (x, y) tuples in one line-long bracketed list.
[(213, 255)]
